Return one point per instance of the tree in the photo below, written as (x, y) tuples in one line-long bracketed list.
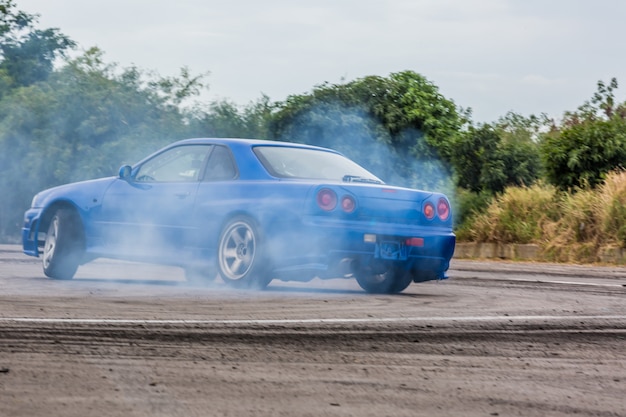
[(519, 149), (226, 119), (83, 122), (590, 143), (493, 157), (27, 54), (474, 155), (400, 127), (582, 154), (177, 89), (604, 98)]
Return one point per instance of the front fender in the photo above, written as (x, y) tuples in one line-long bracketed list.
[(84, 197)]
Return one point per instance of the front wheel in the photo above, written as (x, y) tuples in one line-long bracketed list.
[(64, 245), (241, 259), (391, 281)]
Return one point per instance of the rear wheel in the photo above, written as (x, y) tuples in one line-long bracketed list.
[(241, 259), (64, 246), (392, 281)]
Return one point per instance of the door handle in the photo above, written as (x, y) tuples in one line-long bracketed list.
[(183, 194)]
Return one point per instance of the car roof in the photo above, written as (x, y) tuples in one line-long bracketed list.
[(241, 151), (248, 142)]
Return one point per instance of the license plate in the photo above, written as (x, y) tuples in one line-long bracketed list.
[(391, 250)]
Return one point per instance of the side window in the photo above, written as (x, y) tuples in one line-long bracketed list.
[(180, 164), (220, 166)]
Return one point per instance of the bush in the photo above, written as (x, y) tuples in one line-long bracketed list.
[(589, 220), (613, 203), (582, 154), (573, 236), (519, 215), (469, 204), (569, 226)]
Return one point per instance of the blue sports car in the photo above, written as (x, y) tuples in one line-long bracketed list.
[(249, 211)]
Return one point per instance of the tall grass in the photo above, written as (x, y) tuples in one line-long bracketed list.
[(575, 235), (516, 216), (613, 204), (569, 227)]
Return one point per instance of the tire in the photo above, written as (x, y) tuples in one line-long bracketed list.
[(64, 246), (240, 257), (394, 280)]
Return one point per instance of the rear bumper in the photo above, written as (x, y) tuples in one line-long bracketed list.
[(327, 246)]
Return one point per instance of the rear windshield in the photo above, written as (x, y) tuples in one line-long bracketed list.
[(288, 162)]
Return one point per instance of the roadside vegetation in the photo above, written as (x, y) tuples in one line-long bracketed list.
[(67, 115), (568, 226)]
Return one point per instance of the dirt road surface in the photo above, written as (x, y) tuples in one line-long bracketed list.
[(496, 339)]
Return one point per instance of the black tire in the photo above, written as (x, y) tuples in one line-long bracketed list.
[(64, 246), (241, 260), (394, 280)]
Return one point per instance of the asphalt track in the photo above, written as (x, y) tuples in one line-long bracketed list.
[(496, 339)]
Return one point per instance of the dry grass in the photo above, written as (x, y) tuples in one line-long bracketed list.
[(516, 216), (569, 227)]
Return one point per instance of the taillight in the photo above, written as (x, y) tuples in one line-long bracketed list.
[(415, 241), (443, 209), (326, 199), (429, 211), (347, 204)]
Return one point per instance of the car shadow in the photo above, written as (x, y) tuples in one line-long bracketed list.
[(311, 290), (132, 281), (279, 287), (219, 285)]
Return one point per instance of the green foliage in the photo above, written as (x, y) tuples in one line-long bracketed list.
[(11, 20), (472, 156), (604, 97), (226, 119), (582, 154), (405, 100), (591, 142), (520, 164), (27, 54), (85, 117), (489, 158), (400, 127), (468, 204), (175, 90), (83, 122)]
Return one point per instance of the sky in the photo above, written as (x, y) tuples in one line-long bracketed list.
[(493, 56)]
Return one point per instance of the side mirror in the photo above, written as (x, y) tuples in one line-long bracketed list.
[(125, 172)]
